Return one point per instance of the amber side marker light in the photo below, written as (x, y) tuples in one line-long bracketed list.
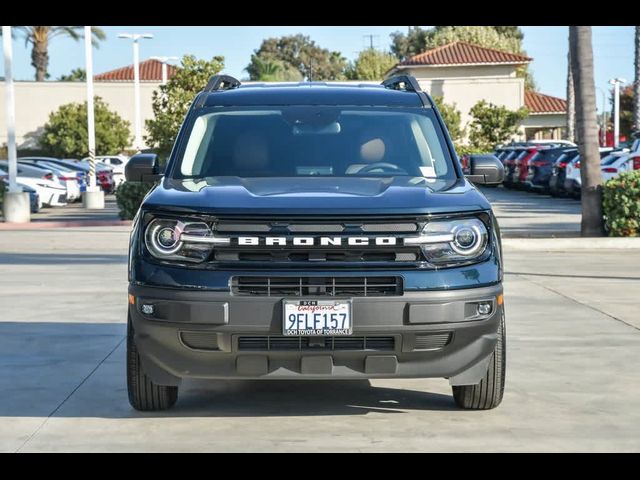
[(132, 300), (499, 299)]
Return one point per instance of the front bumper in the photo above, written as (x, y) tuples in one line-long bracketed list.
[(432, 334)]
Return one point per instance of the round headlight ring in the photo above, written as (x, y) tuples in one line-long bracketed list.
[(165, 239), (467, 239)]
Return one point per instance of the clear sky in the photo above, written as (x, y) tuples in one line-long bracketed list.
[(613, 49)]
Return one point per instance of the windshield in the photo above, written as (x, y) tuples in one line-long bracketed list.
[(301, 141)]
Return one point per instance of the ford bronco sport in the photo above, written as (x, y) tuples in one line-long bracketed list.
[(314, 231)]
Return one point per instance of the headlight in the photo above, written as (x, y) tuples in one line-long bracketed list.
[(452, 242), (176, 240)]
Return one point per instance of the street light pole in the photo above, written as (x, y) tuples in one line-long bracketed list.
[(164, 61), (136, 83), (16, 204), (93, 198), (616, 108)]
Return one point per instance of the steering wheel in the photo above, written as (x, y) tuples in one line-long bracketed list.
[(384, 166)]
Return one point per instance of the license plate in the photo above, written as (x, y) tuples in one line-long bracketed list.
[(317, 317)]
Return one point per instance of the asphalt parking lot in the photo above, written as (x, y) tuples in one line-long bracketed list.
[(573, 375), (528, 214)]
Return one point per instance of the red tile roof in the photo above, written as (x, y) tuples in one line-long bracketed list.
[(538, 103), (463, 53), (150, 71)]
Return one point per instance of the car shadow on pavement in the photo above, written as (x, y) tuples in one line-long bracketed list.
[(265, 398), (77, 370), (60, 258)]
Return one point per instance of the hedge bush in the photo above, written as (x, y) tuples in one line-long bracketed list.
[(621, 204), (129, 196)]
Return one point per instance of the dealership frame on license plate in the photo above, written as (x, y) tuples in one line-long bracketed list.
[(317, 317)]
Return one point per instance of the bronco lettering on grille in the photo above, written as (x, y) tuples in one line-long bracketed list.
[(314, 241)]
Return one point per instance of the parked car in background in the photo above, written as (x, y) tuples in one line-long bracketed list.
[(614, 164), (34, 197), (117, 163), (540, 166), (50, 191), (509, 162), (521, 168), (66, 176), (558, 172), (573, 179), (104, 174)]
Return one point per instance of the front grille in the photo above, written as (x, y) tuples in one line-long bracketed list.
[(431, 341), (315, 255), (317, 286), (280, 343)]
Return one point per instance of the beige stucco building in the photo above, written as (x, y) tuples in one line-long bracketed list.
[(463, 74), (35, 101)]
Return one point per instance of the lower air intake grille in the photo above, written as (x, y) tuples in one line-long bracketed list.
[(317, 286), (280, 343), (432, 341), (200, 340)]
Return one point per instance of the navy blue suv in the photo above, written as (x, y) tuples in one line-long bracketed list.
[(315, 231)]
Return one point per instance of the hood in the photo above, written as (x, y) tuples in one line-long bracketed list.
[(315, 195)]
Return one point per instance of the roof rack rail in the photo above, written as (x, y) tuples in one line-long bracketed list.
[(221, 82), (410, 83)]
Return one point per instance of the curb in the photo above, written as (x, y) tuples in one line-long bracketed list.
[(64, 224), (571, 244)]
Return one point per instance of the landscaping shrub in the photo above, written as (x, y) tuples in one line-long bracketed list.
[(129, 196), (621, 205), (1, 193)]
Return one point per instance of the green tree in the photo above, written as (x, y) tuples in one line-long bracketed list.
[(414, 42), (76, 75), (452, 118), (171, 102), (40, 36), (274, 70), (65, 133), (371, 64), (301, 53), (626, 110), (493, 124)]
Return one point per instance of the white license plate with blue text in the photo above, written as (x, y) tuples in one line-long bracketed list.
[(317, 317)]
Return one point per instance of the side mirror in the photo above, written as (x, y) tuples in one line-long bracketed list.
[(485, 170), (142, 167)]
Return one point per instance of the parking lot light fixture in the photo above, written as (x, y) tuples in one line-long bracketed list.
[(164, 61), (93, 198), (16, 203), (136, 82)]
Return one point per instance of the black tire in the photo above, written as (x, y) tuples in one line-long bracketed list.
[(144, 395), (488, 393)]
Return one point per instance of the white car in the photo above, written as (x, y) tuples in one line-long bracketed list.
[(117, 163), (616, 163), (67, 177), (50, 192)]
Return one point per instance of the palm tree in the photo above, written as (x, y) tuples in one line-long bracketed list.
[(40, 36), (636, 84), (571, 103), (267, 70), (587, 129)]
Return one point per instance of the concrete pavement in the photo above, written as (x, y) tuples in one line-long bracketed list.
[(573, 374)]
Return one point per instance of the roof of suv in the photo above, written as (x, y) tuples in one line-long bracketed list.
[(312, 93)]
